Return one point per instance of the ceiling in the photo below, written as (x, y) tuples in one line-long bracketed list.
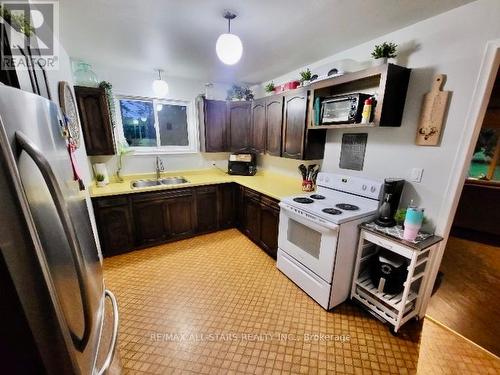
[(278, 35)]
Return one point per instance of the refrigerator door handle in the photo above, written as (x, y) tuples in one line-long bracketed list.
[(112, 345), (55, 191)]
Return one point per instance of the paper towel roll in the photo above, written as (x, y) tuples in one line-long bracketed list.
[(100, 168)]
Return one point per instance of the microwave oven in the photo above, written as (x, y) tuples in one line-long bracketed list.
[(341, 109)]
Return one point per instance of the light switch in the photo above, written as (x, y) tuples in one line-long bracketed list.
[(416, 174)]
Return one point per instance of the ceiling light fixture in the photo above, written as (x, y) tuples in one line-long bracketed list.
[(160, 87), (228, 47)]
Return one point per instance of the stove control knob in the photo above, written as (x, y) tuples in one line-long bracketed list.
[(364, 187), (327, 179), (372, 189)]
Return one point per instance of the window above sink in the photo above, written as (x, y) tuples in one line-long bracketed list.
[(157, 126)]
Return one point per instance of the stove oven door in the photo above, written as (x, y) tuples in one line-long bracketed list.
[(309, 240)]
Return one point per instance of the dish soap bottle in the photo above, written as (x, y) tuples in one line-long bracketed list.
[(367, 111)]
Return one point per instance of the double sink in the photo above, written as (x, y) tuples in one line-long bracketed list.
[(162, 181)]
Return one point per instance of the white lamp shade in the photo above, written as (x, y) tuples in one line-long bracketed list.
[(229, 48), (160, 88)]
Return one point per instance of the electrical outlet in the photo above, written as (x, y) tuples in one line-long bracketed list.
[(416, 174)]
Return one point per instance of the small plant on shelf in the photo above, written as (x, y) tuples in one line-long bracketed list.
[(100, 179), (385, 51), (305, 77), (269, 88)]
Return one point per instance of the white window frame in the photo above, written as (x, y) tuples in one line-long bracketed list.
[(192, 126)]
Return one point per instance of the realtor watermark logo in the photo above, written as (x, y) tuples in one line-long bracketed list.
[(31, 30)]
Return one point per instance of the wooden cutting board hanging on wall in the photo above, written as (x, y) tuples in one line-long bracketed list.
[(432, 114)]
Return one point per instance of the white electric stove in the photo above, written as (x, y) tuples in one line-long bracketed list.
[(318, 234)]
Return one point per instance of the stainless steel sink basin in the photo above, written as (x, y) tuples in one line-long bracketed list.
[(162, 181), (173, 180)]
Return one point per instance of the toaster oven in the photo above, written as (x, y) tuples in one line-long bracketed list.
[(341, 109), (243, 164)]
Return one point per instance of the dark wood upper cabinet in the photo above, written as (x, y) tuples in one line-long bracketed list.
[(294, 125), (298, 142), (258, 128), (239, 114), (206, 208), (95, 120), (215, 118), (274, 125)]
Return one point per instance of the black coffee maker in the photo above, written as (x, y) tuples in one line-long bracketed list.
[(393, 187)]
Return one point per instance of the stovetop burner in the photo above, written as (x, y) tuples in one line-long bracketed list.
[(317, 196), (331, 211), (303, 200), (347, 207)]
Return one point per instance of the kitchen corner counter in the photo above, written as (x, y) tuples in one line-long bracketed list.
[(268, 183)]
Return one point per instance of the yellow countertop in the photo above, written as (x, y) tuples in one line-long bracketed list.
[(269, 183)]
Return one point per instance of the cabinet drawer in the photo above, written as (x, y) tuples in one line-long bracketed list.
[(388, 244), (206, 189), (164, 194), (252, 194), (111, 202), (271, 202)]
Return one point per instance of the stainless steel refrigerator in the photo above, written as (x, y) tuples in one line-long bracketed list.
[(56, 315)]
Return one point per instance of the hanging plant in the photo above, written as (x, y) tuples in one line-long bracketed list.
[(108, 89)]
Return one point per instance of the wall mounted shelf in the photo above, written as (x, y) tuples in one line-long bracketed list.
[(388, 82)]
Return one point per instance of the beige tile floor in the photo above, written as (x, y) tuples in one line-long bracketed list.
[(216, 304)]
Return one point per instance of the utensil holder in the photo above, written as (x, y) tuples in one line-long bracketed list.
[(307, 185)]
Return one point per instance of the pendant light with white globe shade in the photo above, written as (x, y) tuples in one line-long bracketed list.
[(160, 87), (228, 47)]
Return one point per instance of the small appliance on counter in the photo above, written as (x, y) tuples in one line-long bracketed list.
[(393, 187), (342, 109), (242, 164), (388, 271)]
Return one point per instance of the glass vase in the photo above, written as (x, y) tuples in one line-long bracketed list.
[(84, 76)]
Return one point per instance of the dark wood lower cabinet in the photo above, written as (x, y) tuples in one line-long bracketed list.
[(115, 225), (149, 221), (252, 216), (269, 224), (134, 221), (206, 208), (227, 205), (180, 219)]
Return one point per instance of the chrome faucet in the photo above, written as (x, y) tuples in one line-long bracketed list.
[(159, 167)]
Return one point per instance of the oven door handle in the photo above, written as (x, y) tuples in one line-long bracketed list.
[(311, 221)]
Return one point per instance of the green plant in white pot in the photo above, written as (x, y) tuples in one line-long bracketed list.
[(100, 180), (383, 52), (305, 77), (269, 88)]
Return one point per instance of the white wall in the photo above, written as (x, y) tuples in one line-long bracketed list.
[(452, 43), (138, 83)]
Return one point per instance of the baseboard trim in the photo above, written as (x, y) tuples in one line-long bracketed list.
[(458, 334)]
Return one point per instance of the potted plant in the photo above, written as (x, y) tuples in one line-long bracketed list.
[(305, 77), (382, 52), (237, 93), (100, 180), (269, 88)]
